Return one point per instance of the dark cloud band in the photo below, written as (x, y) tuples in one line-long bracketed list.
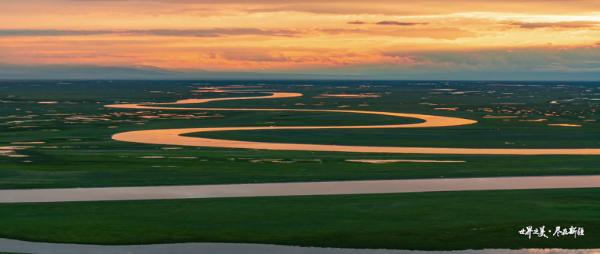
[(395, 23), (215, 32), (570, 24)]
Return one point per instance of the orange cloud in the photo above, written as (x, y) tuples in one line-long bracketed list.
[(443, 33), (294, 34)]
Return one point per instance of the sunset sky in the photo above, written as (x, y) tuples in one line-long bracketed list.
[(309, 36)]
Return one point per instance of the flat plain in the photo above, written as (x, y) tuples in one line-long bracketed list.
[(58, 135)]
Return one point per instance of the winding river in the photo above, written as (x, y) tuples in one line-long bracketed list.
[(173, 136)]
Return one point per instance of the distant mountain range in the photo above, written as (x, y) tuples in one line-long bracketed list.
[(82, 72), (66, 72)]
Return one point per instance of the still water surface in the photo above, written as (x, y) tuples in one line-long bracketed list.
[(8, 245), (297, 189)]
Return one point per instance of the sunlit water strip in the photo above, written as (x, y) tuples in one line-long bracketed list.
[(7, 245), (174, 136), (297, 189)]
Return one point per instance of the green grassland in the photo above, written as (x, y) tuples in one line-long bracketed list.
[(78, 151), (484, 134), (422, 221), (96, 167)]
